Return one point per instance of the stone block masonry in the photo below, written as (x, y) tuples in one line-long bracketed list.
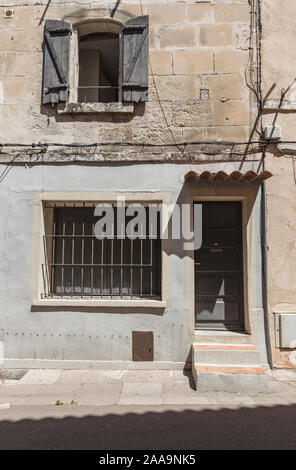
[(197, 64)]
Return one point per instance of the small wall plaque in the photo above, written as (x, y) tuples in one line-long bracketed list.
[(143, 346)]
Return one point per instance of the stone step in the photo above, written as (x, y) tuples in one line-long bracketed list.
[(237, 354), (230, 378), (229, 337)]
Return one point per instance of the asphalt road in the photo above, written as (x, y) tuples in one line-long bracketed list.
[(148, 427)]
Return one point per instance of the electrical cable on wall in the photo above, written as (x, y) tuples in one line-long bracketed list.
[(141, 144)]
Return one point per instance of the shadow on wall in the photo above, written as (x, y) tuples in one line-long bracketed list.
[(243, 429), (51, 112), (176, 247)]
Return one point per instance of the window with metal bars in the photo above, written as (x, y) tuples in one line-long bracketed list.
[(80, 265)]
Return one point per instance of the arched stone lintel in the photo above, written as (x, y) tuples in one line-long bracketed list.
[(98, 15), (95, 25)]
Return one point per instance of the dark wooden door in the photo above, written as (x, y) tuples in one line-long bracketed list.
[(218, 268)]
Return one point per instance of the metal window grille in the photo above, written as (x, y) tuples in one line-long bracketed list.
[(79, 265)]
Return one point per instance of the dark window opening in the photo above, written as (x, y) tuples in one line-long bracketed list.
[(98, 68), (78, 264)]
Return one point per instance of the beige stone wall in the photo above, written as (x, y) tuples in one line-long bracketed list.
[(194, 46), (279, 66)]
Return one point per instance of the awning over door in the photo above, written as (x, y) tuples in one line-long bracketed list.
[(221, 176)]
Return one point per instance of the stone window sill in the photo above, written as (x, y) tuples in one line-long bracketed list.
[(96, 108), (83, 303)]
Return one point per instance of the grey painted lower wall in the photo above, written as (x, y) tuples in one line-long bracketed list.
[(93, 335)]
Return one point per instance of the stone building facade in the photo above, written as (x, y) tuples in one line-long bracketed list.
[(185, 125), (278, 66)]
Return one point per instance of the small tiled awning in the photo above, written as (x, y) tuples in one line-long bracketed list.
[(221, 176)]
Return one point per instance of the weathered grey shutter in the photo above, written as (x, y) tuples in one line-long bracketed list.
[(56, 61), (135, 59)]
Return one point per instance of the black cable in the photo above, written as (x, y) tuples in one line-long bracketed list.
[(141, 144)]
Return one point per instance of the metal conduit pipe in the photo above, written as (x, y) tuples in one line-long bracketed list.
[(265, 276)]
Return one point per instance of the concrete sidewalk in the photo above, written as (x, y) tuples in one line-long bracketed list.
[(130, 387), (128, 410)]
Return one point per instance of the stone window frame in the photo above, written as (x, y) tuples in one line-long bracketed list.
[(38, 258), (72, 106)]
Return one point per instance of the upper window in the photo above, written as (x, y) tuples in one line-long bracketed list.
[(98, 68), (109, 61)]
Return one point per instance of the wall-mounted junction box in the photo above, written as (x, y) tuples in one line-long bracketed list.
[(285, 330), (272, 132)]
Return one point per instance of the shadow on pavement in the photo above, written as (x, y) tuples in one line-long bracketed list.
[(243, 428)]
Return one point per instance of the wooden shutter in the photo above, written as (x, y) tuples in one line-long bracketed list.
[(135, 59), (56, 61)]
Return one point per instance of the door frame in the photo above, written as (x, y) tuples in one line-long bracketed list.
[(225, 195), (242, 278)]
